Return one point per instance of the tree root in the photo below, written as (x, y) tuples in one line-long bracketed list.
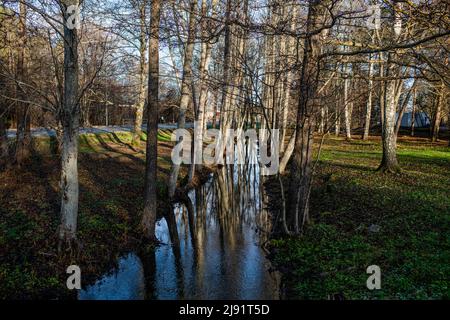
[(389, 169)]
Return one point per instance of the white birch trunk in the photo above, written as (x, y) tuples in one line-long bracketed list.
[(70, 122), (369, 101), (186, 92)]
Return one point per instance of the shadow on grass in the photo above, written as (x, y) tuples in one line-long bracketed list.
[(410, 245), (362, 168), (109, 148), (421, 161)]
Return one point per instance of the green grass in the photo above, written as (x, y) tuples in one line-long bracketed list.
[(412, 211), (88, 142)]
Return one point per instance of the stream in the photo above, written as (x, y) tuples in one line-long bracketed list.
[(219, 253)]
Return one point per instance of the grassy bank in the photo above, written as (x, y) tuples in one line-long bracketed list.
[(111, 175), (361, 217)]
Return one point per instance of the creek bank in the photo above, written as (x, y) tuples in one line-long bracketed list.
[(111, 199), (218, 254)]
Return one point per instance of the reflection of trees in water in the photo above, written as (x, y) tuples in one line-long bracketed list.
[(212, 226), (233, 197), (148, 260), (240, 199), (229, 207)]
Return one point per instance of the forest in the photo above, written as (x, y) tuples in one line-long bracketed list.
[(224, 150)]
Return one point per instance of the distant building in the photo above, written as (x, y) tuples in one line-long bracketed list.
[(421, 120)]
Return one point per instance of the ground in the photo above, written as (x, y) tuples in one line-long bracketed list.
[(361, 217), (111, 177)]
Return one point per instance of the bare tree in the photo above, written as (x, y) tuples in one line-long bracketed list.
[(440, 92), (143, 70), (23, 141), (389, 162), (70, 115), (301, 167), (151, 198), (186, 86), (205, 58), (369, 100)]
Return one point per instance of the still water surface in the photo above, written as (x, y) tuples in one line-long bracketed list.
[(222, 260)]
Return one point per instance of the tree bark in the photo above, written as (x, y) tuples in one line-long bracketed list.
[(3, 140), (347, 106), (290, 59), (369, 101), (70, 121), (301, 169), (227, 76), (448, 126), (143, 70), (389, 161), (403, 109), (438, 113), (448, 120), (382, 92), (186, 92), (337, 116), (204, 76), (150, 193), (413, 114), (391, 97), (4, 152), (287, 154), (23, 138)]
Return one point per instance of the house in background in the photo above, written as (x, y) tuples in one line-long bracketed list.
[(421, 120)]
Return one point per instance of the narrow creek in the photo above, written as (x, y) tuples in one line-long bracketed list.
[(219, 255)]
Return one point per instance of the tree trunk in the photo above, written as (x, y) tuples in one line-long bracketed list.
[(70, 121), (321, 129), (227, 62), (150, 193), (215, 109), (448, 119), (403, 109), (3, 140), (301, 169), (143, 70), (337, 128), (337, 115), (448, 126), (389, 161), (400, 117), (23, 140), (204, 76), (4, 152), (186, 84), (438, 114), (290, 59), (287, 154), (382, 90), (369, 101), (239, 44), (347, 107), (413, 114), (391, 95)]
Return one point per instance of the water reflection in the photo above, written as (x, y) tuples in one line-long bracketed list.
[(215, 252), (126, 283)]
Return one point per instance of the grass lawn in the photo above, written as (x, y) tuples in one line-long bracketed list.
[(361, 217)]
